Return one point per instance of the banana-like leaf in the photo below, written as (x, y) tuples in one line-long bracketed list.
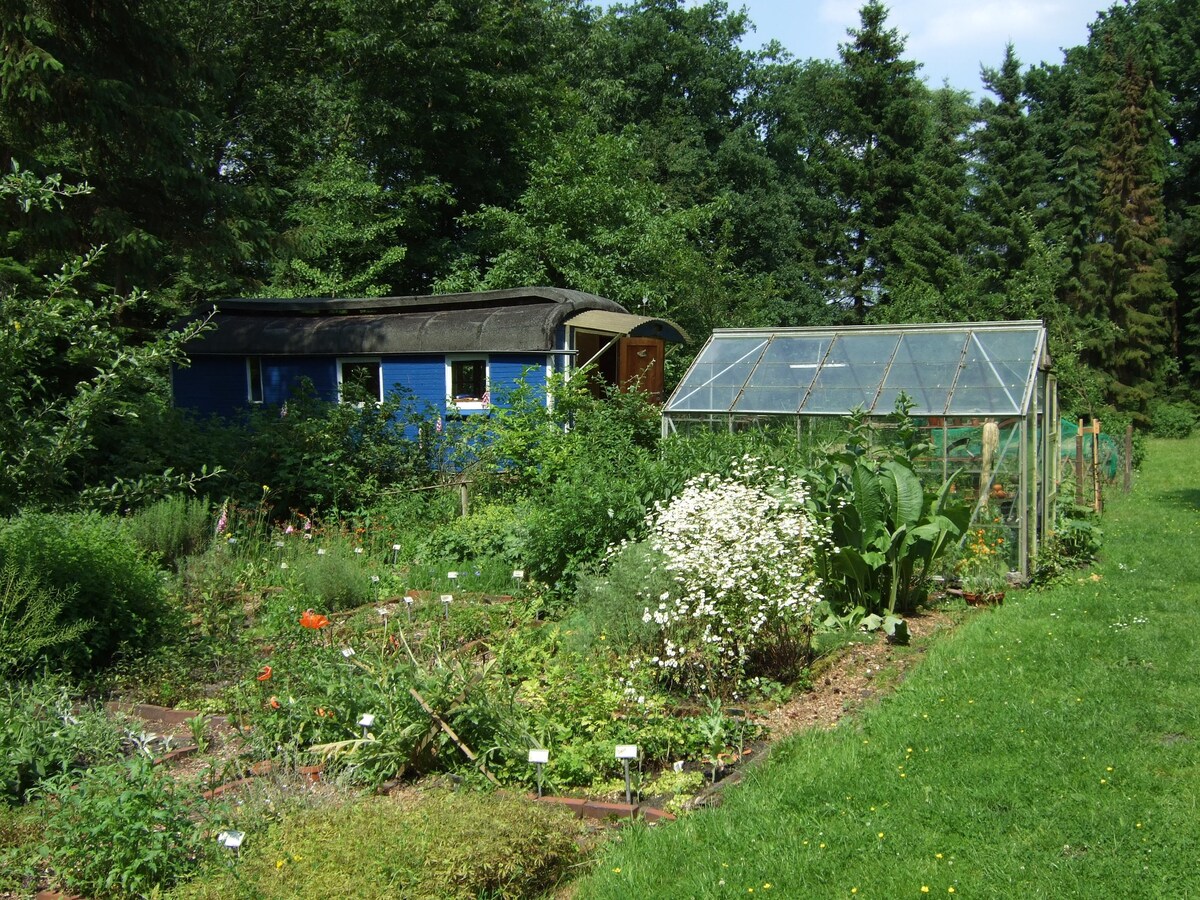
[(869, 501), (906, 488)]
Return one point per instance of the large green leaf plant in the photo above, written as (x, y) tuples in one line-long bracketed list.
[(887, 527)]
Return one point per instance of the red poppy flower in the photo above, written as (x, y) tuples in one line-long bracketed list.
[(313, 620), (274, 703), (264, 674), (322, 711)]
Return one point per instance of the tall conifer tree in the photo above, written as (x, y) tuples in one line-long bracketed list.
[(883, 110), (1125, 274)]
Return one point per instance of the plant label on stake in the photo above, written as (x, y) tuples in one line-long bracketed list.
[(626, 752), (366, 722), (447, 599), (518, 575), (408, 603), (232, 840), (539, 758), (395, 554)]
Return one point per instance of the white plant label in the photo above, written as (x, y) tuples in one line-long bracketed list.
[(447, 598), (627, 751), (367, 720), (231, 839), (539, 756), (452, 575), (518, 574)]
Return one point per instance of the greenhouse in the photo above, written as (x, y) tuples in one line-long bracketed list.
[(983, 391)]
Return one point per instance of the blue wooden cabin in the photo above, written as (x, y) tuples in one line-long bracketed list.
[(455, 353)]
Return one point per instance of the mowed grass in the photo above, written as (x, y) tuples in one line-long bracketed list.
[(1047, 748)]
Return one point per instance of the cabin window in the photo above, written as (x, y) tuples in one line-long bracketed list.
[(360, 381), (254, 379), (467, 379)]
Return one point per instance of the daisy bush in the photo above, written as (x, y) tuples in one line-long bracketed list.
[(741, 552)]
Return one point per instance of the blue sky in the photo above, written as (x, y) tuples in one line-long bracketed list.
[(951, 39)]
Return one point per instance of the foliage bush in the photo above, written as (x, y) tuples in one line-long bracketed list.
[(493, 530), (1172, 420), (31, 621), (1075, 541), (439, 846), (45, 731), (172, 528), (121, 830), (742, 553), (321, 456), (888, 529), (101, 575), (333, 579), (608, 613)]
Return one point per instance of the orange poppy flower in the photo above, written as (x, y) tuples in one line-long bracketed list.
[(264, 674), (322, 712), (313, 620), (274, 703)]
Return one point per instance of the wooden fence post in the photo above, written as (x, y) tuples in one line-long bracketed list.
[(1079, 465), (1128, 458)]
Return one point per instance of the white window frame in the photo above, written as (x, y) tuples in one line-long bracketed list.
[(469, 405), (253, 362), (358, 361)]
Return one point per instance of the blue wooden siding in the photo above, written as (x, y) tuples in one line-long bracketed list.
[(505, 371), (211, 386), (217, 385), (423, 378), (281, 374)]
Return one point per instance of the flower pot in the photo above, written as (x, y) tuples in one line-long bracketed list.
[(992, 598)]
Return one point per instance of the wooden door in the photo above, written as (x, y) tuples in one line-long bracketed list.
[(641, 366)]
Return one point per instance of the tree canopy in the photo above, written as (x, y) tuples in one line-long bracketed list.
[(643, 151)]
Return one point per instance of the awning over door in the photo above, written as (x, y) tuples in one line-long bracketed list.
[(609, 322)]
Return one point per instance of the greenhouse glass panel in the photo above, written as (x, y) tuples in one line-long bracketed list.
[(924, 369), (851, 374), (996, 374), (717, 375), (783, 374)]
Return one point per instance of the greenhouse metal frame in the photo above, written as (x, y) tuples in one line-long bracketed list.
[(984, 391)]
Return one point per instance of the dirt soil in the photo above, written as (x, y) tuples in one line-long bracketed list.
[(856, 675), (844, 683)]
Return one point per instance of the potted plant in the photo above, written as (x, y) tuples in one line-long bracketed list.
[(982, 570), (984, 584)]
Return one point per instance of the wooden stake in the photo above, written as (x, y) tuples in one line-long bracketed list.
[(442, 724), (1128, 458), (1079, 465)]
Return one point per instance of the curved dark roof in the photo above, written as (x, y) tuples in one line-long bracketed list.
[(514, 320)]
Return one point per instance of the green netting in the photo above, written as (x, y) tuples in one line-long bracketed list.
[(1107, 448)]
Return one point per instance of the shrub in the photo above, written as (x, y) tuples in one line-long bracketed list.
[(45, 732), (742, 553), (121, 830), (100, 574), (494, 530), (172, 528), (1172, 420), (334, 579), (30, 621), (612, 601)]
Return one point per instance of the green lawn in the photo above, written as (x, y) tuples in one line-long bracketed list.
[(1048, 748)]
